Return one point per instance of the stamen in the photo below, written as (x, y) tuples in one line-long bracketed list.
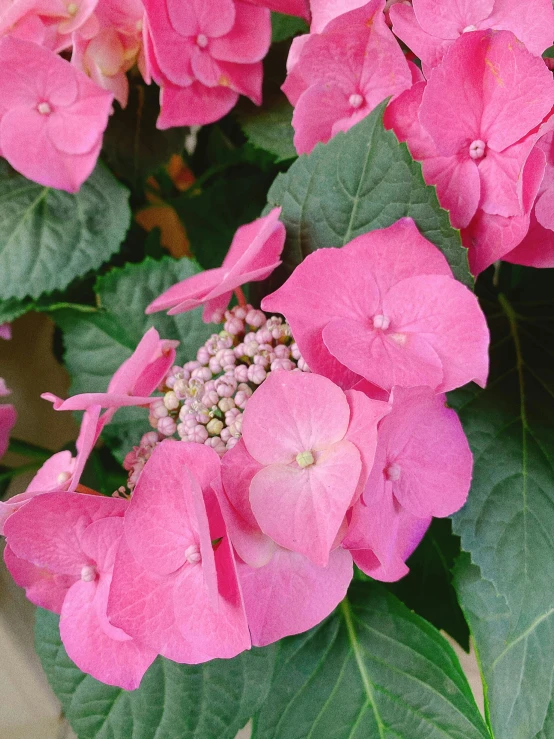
[(477, 149), (88, 573), (393, 472), (305, 459), (192, 554), (44, 108), (356, 100), (381, 322), (202, 40)]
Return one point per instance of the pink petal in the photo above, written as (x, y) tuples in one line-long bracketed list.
[(291, 595), (489, 238), (8, 417), (424, 45), (195, 105), (5, 331), (291, 413), (315, 114), (42, 587), (303, 509), (324, 11), (193, 288), (532, 23), (113, 662), (502, 179), (458, 184), (256, 245), (447, 19), (211, 17), (47, 531), (146, 367), (365, 414), (289, 7), (536, 249), (75, 129), (169, 49), (249, 39), (88, 436), (164, 517), (244, 78)]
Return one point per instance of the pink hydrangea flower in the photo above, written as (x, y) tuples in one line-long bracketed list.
[(175, 584), (61, 548), (132, 384), (252, 256), (203, 54), (62, 471), (49, 23), (52, 116), (8, 417), (114, 49), (324, 11), (422, 468), (341, 74), (305, 454), (430, 27), (5, 331), (301, 8), (537, 247), (385, 307), (474, 128)]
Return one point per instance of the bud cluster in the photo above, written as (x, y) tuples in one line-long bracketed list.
[(204, 400)]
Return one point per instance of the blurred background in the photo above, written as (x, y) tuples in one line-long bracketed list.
[(28, 708)]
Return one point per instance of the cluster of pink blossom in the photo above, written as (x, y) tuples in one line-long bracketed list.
[(53, 112), (478, 116), (347, 463)]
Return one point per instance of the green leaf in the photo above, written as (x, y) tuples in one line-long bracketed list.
[(132, 145), (517, 668), (49, 237), (270, 128), (286, 26), (507, 523), (361, 180), (427, 589), (372, 670), (96, 344), (210, 701)]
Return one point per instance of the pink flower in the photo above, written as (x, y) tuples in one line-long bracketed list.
[(8, 418), (343, 73), (474, 128), (301, 8), (52, 116), (324, 11), (537, 247), (114, 49), (305, 454), (5, 331), (61, 548), (132, 384), (422, 468), (385, 307), (62, 471), (175, 585), (252, 256), (49, 23), (203, 54), (430, 27)]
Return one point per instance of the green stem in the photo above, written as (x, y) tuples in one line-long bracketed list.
[(32, 451)]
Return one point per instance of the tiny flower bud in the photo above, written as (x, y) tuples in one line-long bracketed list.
[(171, 401), (255, 318), (167, 426), (234, 326), (202, 373), (88, 573), (214, 427), (158, 409), (256, 374), (241, 373), (225, 404)]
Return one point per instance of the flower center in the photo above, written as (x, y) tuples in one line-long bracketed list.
[(393, 472), (381, 322), (305, 459), (356, 100), (477, 149), (202, 40), (88, 573), (62, 477), (467, 29), (44, 108), (192, 554), (72, 8)]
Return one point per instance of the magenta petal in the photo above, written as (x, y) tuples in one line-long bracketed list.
[(291, 413), (194, 105), (193, 288), (291, 594), (303, 509), (249, 39), (42, 587), (536, 249), (47, 531), (8, 417), (114, 662), (448, 18), (425, 46)]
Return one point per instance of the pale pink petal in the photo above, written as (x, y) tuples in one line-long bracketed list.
[(324, 11), (532, 23), (291, 413), (447, 19), (8, 417), (47, 531), (113, 662), (315, 114), (303, 509), (290, 594), (458, 184), (44, 588), (193, 288), (536, 249), (424, 45)]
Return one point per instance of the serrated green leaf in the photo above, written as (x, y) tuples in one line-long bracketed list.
[(427, 589), (507, 523), (97, 343), (270, 128), (361, 180), (209, 701), (372, 670), (518, 670), (49, 237)]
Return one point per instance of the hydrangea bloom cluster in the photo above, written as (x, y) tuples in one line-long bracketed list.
[(244, 527), (54, 109)]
